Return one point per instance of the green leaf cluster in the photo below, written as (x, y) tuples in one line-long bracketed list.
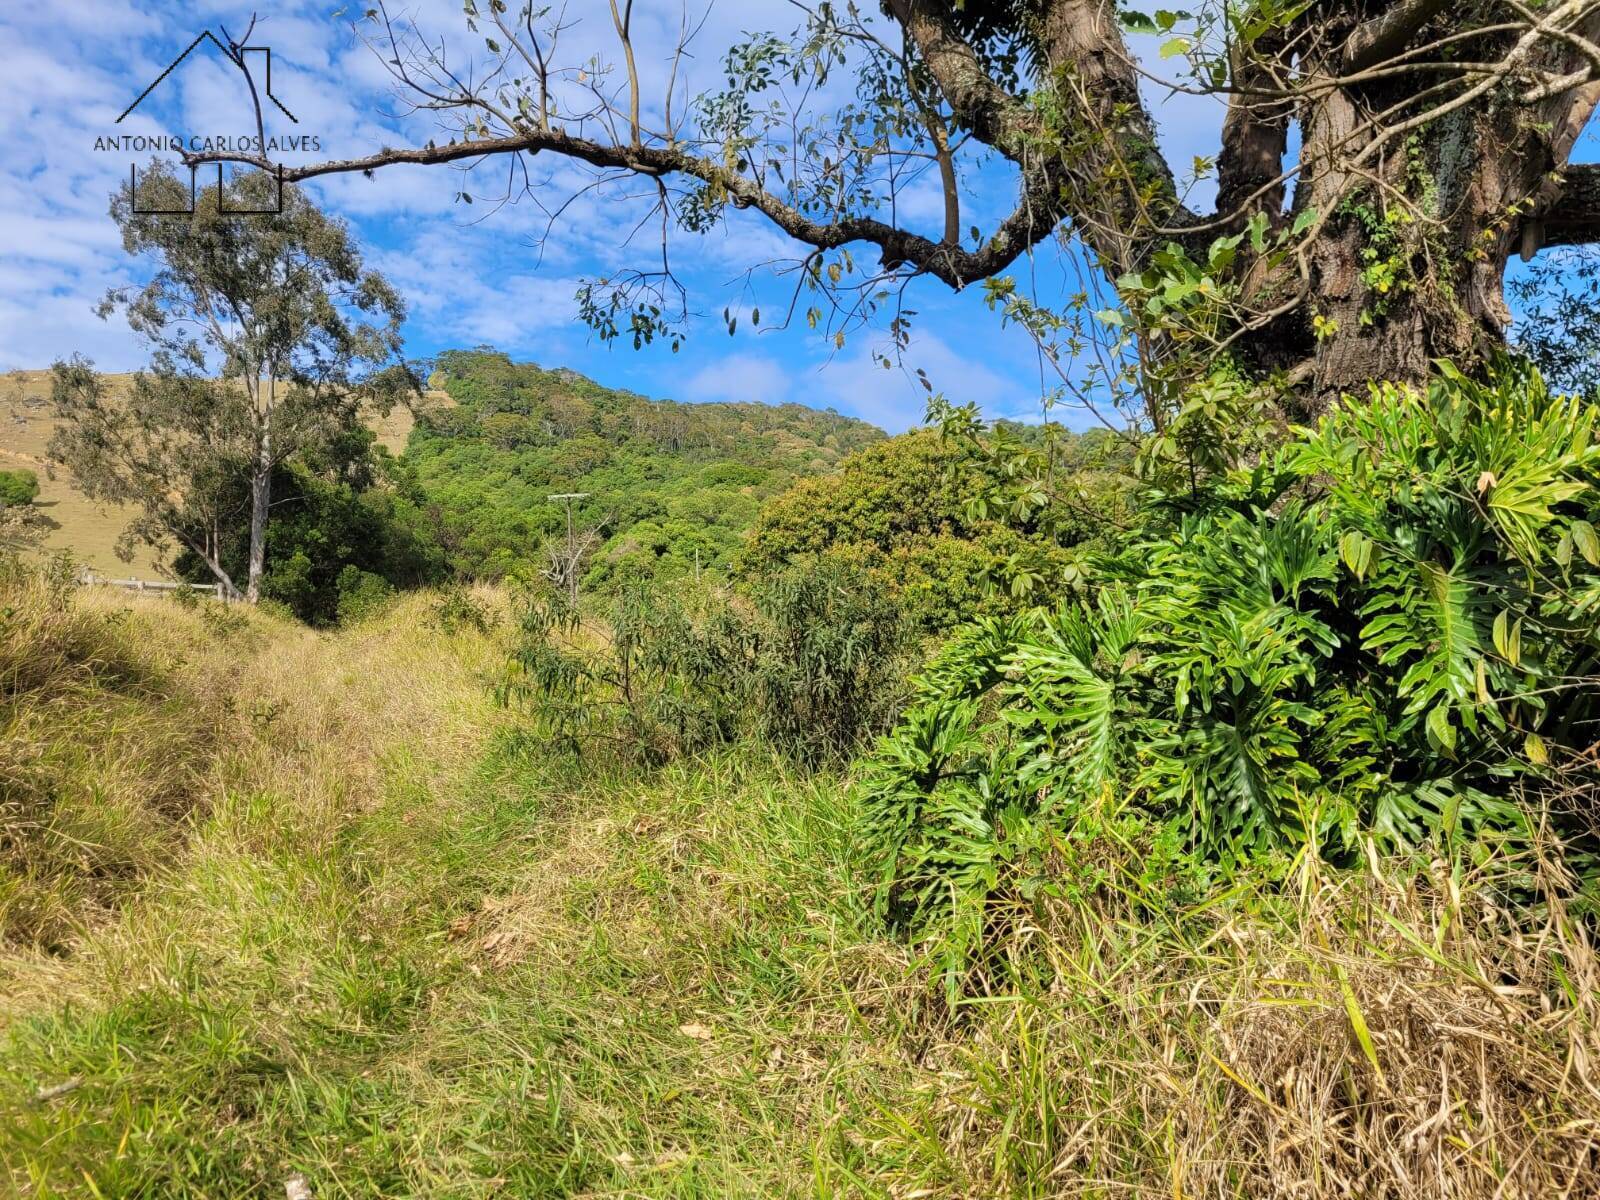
[(18, 488), (937, 523), (1387, 631)]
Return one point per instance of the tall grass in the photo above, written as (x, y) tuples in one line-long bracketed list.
[(107, 726), (398, 950), (1392, 1033)]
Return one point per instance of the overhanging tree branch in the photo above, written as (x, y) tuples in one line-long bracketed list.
[(1099, 153), (1036, 216), (1384, 36), (995, 117), (1360, 280), (1574, 217)]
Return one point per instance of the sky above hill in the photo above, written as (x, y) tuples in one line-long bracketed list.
[(472, 273)]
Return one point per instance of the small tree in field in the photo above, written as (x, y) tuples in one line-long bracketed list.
[(20, 523), (269, 337)]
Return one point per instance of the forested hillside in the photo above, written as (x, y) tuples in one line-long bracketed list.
[(666, 480), (672, 487)]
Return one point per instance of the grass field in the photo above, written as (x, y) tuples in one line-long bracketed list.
[(286, 906), (86, 529)]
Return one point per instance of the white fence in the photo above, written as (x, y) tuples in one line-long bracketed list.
[(89, 578)]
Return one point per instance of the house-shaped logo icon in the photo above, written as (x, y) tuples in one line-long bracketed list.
[(235, 53)]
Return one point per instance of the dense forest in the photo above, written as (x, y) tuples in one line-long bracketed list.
[(670, 487)]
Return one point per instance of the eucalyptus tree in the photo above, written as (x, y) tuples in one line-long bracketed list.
[(1378, 165), (269, 336)]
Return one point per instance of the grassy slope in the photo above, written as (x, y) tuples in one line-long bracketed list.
[(402, 957), (87, 529)]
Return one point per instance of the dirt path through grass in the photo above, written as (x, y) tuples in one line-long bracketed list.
[(400, 956), (390, 950)]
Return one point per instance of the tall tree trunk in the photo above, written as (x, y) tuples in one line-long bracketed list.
[(1411, 238), (260, 502)]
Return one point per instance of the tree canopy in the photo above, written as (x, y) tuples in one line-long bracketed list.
[(916, 511), (1377, 168), (268, 337)]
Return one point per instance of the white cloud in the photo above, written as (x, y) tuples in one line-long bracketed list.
[(72, 67), (895, 399), (739, 377), (42, 328)]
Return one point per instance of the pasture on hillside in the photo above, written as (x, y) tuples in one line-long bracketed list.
[(82, 527)]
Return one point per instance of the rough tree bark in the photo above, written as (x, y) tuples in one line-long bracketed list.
[(1420, 213)]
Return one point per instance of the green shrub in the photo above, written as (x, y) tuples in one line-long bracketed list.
[(826, 660), (362, 595), (359, 508), (939, 521), (812, 660), (1388, 631), (18, 488), (457, 609), (267, 606)]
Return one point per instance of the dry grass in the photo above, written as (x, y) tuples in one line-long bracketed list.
[(1431, 1046), (80, 526), (110, 726), (131, 722), (401, 954), (1393, 1034), (1397, 1033)]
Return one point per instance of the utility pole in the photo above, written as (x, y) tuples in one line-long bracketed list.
[(570, 563)]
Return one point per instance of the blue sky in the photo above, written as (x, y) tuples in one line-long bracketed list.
[(471, 274)]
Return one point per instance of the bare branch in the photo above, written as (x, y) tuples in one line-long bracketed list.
[(1035, 218), (623, 21)]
